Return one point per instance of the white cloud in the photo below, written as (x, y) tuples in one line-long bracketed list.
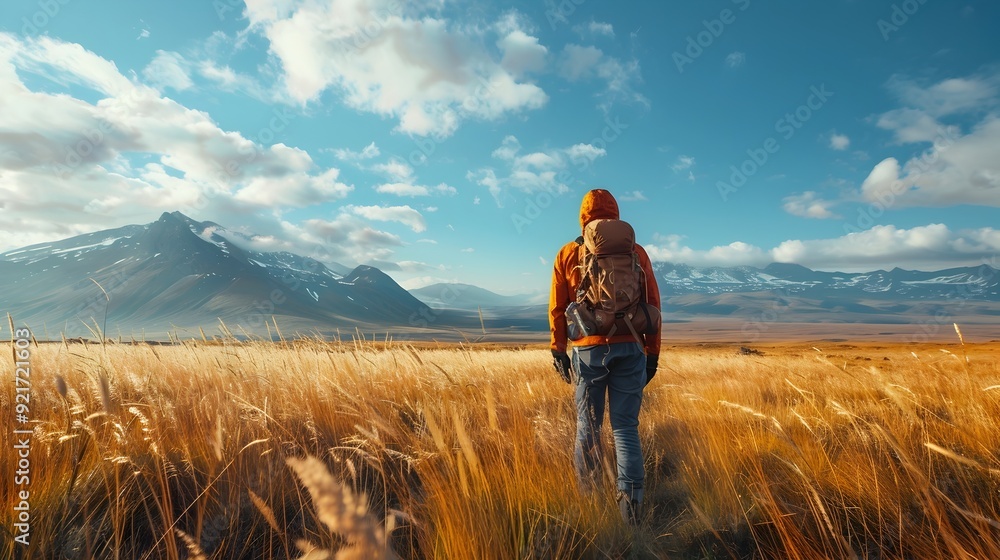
[(601, 28), (402, 189), (578, 63), (735, 59), (401, 214), (395, 169), (533, 172), (670, 248), (633, 196), (930, 247), (951, 96), (403, 179), (809, 205), (521, 53), (960, 166), (839, 142), (398, 60), (924, 248), (294, 189), (588, 152), (595, 29), (368, 152), (955, 170), (408, 189), (468, 250), (168, 70), (682, 163), (911, 125)]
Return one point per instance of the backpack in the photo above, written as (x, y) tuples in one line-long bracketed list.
[(611, 298)]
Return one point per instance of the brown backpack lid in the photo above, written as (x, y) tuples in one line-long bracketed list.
[(609, 237)]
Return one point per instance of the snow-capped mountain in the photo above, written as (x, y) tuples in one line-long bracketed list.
[(180, 272), (981, 283)]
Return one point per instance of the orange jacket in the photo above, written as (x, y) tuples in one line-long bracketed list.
[(597, 204)]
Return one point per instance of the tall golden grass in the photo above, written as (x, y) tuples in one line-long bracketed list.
[(326, 450)]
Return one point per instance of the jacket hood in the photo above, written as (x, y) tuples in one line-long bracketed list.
[(598, 204)]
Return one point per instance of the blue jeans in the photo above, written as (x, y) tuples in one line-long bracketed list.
[(616, 374)]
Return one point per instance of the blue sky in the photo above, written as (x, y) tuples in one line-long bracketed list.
[(452, 141)]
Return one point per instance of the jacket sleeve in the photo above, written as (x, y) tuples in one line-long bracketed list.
[(652, 298), (558, 300)]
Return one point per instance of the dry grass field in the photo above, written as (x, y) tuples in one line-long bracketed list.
[(327, 450)]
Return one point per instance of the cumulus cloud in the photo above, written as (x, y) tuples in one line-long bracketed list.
[(594, 29), (168, 70), (395, 169), (401, 214), (950, 96), (400, 60), (956, 169), (930, 247), (682, 163), (522, 53), (409, 189), (960, 165), (671, 248), (368, 152), (809, 205), (403, 180), (579, 63), (839, 142), (533, 172)]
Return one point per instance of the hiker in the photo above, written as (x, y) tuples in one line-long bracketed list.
[(614, 322)]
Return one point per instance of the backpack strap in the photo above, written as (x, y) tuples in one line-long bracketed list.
[(581, 290)]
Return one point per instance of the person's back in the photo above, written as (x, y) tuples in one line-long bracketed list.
[(612, 367)]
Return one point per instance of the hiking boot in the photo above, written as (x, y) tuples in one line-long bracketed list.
[(631, 509)]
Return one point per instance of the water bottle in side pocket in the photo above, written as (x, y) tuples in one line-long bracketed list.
[(576, 326)]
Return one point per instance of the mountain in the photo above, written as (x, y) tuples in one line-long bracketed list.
[(976, 283), (465, 296), (177, 272), (791, 293)]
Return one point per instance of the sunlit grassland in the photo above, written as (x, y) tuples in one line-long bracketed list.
[(465, 452)]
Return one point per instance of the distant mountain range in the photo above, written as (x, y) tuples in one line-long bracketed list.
[(792, 293), (177, 273), (981, 283)]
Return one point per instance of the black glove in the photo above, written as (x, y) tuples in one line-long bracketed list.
[(652, 361), (560, 360)]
